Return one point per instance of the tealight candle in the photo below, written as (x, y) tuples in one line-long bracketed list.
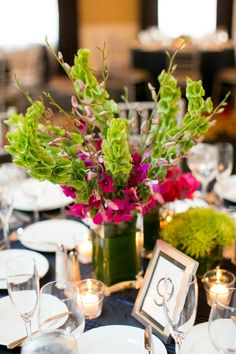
[(92, 294), (91, 304), (85, 251), (217, 283), (221, 291)]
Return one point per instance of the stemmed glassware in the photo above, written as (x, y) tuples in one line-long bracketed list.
[(6, 208), (23, 288), (203, 163), (225, 154), (222, 323), (61, 307), (180, 304), (10, 175)]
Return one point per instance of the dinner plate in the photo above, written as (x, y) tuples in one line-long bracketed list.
[(32, 194), (45, 235), (180, 206), (12, 326), (40, 260), (197, 341), (227, 189), (116, 339)]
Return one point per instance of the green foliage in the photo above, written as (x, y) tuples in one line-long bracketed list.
[(117, 157), (198, 231), (52, 152)]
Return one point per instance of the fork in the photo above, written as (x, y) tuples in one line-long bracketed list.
[(148, 339)]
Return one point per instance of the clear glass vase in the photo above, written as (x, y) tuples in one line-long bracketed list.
[(117, 254), (151, 230)]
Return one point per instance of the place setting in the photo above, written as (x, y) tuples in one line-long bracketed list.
[(134, 261)]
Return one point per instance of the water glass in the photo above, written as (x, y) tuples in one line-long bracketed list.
[(60, 306), (23, 287), (53, 342), (203, 163), (180, 304), (222, 324)]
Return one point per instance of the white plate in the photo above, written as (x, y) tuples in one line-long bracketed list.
[(180, 206), (227, 189), (67, 232), (117, 339), (197, 341), (32, 195), (12, 326), (40, 260)]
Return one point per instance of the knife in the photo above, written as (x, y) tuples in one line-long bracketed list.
[(148, 339), (19, 341)]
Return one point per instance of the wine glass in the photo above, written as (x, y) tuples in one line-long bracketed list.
[(53, 342), (61, 307), (180, 304), (222, 323), (10, 175), (202, 161), (23, 288), (225, 164), (6, 208)]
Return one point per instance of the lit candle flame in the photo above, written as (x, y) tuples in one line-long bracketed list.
[(218, 274)]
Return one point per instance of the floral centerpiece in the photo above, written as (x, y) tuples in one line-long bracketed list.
[(92, 156), (201, 233)]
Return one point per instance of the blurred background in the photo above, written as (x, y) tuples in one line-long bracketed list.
[(137, 34)]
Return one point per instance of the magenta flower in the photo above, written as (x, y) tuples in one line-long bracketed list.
[(95, 200), (79, 209), (173, 173), (189, 184), (69, 191), (130, 195), (138, 174), (98, 218), (136, 158), (81, 126), (87, 161), (99, 144), (106, 184), (151, 203)]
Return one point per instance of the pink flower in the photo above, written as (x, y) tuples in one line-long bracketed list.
[(99, 144), (106, 184), (79, 209), (151, 203), (95, 200), (189, 185), (69, 191), (87, 161), (170, 190), (118, 211), (138, 174), (98, 218), (136, 158), (173, 173), (81, 126)]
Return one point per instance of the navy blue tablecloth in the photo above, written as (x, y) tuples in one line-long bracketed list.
[(117, 307)]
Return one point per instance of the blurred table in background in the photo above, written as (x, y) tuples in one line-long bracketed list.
[(211, 61)]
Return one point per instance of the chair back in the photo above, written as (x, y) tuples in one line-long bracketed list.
[(188, 64), (138, 112)]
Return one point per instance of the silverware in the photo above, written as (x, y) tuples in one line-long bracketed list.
[(19, 341), (148, 339)]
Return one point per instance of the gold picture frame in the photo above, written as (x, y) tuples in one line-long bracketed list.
[(148, 307)]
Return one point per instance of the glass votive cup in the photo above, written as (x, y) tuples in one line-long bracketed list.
[(217, 282), (85, 251), (92, 293)]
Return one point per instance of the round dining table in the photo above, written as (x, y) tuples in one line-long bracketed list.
[(117, 307)]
